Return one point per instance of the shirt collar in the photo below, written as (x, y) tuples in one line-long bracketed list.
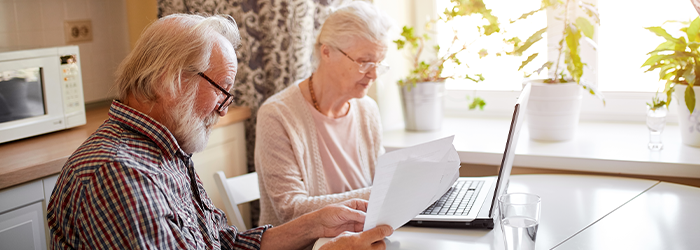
[(147, 126)]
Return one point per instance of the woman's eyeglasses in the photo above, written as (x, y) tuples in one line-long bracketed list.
[(366, 66)]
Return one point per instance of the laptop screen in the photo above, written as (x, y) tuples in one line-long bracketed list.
[(509, 153)]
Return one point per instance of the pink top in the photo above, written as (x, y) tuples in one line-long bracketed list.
[(337, 145)]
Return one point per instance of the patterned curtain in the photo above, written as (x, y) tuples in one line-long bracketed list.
[(277, 44)]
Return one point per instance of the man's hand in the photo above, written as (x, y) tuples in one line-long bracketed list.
[(337, 218), (329, 221), (370, 239)]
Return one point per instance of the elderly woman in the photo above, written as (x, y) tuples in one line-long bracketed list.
[(319, 139)]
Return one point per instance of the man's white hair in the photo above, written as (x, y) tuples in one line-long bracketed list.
[(353, 21), (170, 52)]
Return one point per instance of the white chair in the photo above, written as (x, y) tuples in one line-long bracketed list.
[(237, 190)]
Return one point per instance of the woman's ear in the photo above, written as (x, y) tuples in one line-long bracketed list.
[(325, 51)]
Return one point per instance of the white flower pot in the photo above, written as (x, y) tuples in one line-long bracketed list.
[(422, 106), (689, 123), (553, 110)]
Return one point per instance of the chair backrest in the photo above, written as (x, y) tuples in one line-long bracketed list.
[(237, 190)]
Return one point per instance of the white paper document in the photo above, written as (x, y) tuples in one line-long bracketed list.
[(407, 181)]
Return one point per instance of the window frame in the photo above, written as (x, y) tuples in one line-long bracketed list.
[(619, 106)]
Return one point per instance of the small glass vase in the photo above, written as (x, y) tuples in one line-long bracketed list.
[(656, 121)]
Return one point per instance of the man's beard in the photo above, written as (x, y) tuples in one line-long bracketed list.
[(190, 131)]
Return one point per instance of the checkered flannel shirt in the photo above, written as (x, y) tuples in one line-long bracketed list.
[(130, 186)]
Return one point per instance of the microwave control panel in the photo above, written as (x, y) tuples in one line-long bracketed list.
[(71, 85)]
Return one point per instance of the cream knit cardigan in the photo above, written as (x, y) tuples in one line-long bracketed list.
[(291, 177)]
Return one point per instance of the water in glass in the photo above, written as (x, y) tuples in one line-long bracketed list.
[(519, 217), (520, 232)]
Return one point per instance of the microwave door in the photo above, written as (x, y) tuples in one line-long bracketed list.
[(21, 94)]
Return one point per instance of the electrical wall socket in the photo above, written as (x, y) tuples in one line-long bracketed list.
[(77, 31)]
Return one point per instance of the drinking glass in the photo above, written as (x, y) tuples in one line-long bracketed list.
[(656, 121), (520, 217)]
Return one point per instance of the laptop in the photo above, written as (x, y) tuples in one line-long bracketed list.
[(472, 202)]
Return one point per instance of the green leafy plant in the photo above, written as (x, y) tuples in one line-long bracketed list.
[(678, 60), (656, 102), (576, 29), (428, 71), (476, 102), (432, 70)]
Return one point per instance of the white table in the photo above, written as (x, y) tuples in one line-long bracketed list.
[(584, 212), (665, 217)]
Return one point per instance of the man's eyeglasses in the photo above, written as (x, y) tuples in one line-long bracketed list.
[(366, 66), (229, 97)]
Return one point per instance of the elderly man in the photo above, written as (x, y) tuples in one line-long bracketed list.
[(133, 185)]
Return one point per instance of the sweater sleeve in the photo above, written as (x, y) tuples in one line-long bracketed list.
[(282, 176)]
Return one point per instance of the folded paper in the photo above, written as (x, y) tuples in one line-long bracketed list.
[(407, 181)]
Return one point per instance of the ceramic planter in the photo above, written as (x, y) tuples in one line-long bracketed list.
[(553, 110), (422, 106), (689, 123)]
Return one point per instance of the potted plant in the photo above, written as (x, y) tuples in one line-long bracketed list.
[(678, 61), (555, 102), (423, 89)]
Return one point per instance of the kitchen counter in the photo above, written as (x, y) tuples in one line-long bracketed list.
[(44, 155)]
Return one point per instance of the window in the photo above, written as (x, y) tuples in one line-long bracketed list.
[(623, 40), (623, 43)]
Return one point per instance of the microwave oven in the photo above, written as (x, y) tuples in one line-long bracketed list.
[(41, 91)]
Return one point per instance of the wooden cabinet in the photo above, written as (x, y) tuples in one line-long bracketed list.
[(226, 152), (24, 227), (23, 214)]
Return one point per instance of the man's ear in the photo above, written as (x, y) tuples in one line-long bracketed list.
[(165, 92)]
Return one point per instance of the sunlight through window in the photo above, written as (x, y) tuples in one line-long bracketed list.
[(501, 72), (624, 42)]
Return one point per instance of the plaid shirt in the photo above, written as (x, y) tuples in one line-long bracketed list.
[(130, 186)]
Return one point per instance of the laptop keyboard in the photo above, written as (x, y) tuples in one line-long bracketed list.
[(458, 200)]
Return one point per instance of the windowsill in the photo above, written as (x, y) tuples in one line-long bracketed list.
[(607, 147)]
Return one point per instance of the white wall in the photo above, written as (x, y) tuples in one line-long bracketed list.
[(27, 24)]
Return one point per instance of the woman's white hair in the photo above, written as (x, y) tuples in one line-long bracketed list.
[(353, 21), (170, 52)]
